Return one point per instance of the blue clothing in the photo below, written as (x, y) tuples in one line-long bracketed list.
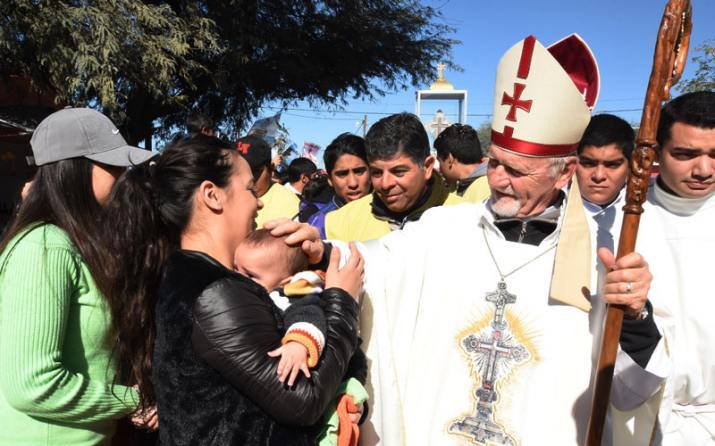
[(317, 219)]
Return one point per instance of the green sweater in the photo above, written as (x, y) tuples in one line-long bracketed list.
[(55, 366)]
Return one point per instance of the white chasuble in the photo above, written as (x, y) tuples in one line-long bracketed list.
[(456, 358)]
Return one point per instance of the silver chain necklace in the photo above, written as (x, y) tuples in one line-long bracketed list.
[(502, 276)]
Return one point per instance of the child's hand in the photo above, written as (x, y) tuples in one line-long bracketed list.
[(355, 416), (294, 358)]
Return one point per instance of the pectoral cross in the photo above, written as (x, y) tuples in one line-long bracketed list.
[(481, 427), (491, 352)]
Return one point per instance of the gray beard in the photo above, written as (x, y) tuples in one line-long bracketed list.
[(506, 210)]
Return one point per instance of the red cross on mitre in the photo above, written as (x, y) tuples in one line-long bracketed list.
[(515, 102)]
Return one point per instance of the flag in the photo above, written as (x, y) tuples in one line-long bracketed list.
[(267, 128), (311, 151), (277, 137)]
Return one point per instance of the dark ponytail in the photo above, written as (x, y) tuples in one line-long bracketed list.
[(149, 208)]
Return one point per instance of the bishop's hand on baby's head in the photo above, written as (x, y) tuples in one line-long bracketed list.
[(271, 262), (268, 260)]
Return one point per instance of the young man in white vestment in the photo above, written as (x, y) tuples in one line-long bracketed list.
[(684, 198), (604, 154), (469, 339)]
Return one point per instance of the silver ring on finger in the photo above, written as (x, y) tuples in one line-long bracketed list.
[(629, 287)]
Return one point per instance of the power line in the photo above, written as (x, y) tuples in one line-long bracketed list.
[(620, 100), (351, 112), (288, 111), (319, 117), (620, 111), (330, 111)]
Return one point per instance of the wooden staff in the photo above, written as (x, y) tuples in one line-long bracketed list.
[(671, 51)]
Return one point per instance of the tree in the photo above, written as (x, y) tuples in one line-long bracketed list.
[(485, 135), (148, 63), (123, 56), (704, 78)]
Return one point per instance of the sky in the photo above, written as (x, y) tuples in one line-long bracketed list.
[(621, 34)]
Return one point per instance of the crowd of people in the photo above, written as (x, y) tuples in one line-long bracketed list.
[(203, 296)]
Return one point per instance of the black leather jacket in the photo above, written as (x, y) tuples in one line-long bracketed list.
[(215, 382)]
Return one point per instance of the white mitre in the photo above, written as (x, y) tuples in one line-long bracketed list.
[(543, 97)]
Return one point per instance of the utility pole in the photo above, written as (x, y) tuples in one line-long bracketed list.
[(364, 125)]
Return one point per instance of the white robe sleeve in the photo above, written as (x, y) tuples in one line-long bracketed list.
[(632, 384)]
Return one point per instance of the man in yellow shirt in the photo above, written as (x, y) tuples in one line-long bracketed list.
[(462, 163), (403, 180), (278, 202), (299, 172)]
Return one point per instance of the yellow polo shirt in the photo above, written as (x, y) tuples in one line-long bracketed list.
[(278, 202)]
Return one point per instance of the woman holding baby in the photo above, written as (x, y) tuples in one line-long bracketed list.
[(199, 330)]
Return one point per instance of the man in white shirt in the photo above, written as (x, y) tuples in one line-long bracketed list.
[(684, 198)]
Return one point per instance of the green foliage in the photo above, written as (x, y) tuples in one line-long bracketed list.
[(704, 78), (144, 62), (109, 54), (485, 135)]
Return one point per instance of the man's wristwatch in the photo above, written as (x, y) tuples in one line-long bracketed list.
[(643, 314)]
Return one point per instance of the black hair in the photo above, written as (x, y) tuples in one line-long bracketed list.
[(318, 189), (300, 166), (196, 122), (344, 144), (402, 133), (62, 195), (149, 208), (605, 129), (462, 141), (696, 109)]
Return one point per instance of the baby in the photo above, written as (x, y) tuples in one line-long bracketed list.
[(283, 271)]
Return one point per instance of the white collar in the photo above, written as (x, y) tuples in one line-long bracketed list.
[(594, 209), (291, 188), (679, 205)]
